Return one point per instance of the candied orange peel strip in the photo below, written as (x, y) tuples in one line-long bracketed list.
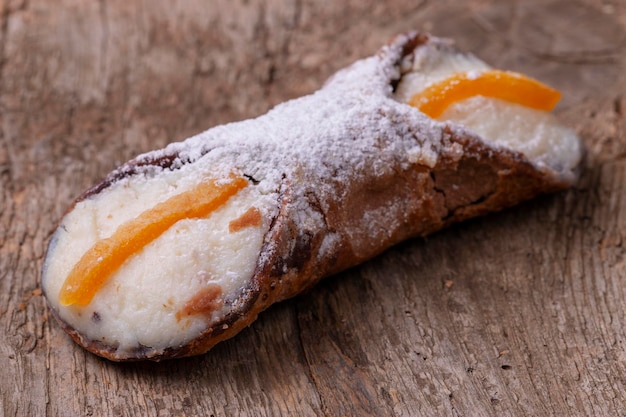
[(107, 255), (504, 85)]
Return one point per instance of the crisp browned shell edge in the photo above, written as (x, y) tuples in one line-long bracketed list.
[(513, 180)]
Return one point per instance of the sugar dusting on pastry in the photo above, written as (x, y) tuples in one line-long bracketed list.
[(355, 127)]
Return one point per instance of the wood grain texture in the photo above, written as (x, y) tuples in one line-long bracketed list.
[(519, 313)]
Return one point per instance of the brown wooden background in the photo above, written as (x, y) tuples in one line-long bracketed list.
[(519, 313)]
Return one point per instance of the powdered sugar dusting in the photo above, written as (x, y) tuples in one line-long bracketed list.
[(356, 125), (353, 126)]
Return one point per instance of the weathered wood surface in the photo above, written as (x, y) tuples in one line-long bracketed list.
[(520, 313)]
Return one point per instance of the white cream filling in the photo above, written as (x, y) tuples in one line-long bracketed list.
[(536, 134), (138, 304), (430, 64)]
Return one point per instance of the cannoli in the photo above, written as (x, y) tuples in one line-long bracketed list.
[(183, 247)]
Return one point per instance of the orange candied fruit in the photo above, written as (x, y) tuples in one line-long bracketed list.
[(107, 255), (504, 85)]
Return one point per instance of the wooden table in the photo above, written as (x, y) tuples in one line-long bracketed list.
[(518, 313)]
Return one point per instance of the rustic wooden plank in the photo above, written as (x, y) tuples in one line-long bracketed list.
[(520, 313)]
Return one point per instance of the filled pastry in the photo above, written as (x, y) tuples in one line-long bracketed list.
[(183, 247)]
